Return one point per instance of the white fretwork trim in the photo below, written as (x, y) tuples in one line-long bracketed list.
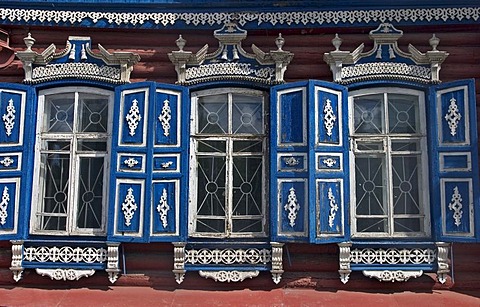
[(165, 117), (129, 206), (163, 208), (327, 17), (91, 71), (292, 206), (453, 116), (7, 161), (4, 206), (229, 69), (333, 208), (9, 118), (229, 276), (456, 206), (65, 274), (382, 70), (130, 162), (133, 117), (65, 254), (397, 275), (393, 256), (291, 161), (228, 256), (329, 162), (329, 118), (167, 164)]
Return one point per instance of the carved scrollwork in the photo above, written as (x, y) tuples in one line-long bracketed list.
[(65, 274), (163, 208), (456, 206), (130, 162), (4, 206), (329, 117), (7, 161), (394, 275), (291, 161), (333, 207), (453, 116), (129, 207), (165, 117), (9, 118), (133, 117), (229, 276), (292, 206)]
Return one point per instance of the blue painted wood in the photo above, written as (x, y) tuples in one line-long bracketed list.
[(449, 167), (129, 223), (169, 224), (161, 148)]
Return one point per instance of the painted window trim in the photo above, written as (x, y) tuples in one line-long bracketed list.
[(35, 201), (424, 171), (193, 161)]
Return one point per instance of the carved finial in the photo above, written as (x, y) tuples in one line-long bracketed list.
[(279, 41), (29, 41), (434, 42), (337, 42), (181, 42)]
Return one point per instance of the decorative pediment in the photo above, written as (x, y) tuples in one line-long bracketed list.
[(385, 60), (230, 61), (76, 61)]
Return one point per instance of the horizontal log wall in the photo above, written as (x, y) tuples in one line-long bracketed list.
[(313, 266)]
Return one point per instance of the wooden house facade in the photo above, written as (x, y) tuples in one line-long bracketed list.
[(233, 144)]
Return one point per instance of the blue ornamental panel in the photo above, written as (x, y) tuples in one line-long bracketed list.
[(291, 117), (165, 208), (292, 207), (131, 163), (454, 179), (133, 117), (457, 207), (328, 128), (292, 162), (167, 122), (9, 205), (12, 113), (10, 161), (129, 208), (166, 163), (329, 207)]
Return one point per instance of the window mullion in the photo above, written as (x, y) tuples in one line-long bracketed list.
[(228, 188), (74, 161)]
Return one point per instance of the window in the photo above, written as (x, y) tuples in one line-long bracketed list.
[(228, 142), (389, 180), (73, 134)]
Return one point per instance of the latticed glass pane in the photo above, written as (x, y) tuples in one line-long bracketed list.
[(247, 225), (247, 186), (247, 114), (59, 111), (56, 191), (370, 186), (403, 114), (255, 146), (408, 224), (93, 113), (211, 186), (211, 146), (90, 193), (406, 196), (372, 224), (212, 114), (369, 114)]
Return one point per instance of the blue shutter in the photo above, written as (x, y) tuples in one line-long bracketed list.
[(454, 185), (16, 152), (328, 162), (149, 167), (129, 166), (168, 221), (309, 162)]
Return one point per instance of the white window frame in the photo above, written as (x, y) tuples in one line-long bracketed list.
[(424, 173), (192, 216), (37, 195)]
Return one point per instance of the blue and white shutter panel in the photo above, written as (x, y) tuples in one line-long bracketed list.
[(454, 186), (129, 193), (289, 163), (328, 162), (13, 111)]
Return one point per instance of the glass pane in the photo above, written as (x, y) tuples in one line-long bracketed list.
[(247, 225), (210, 225), (59, 113), (368, 114), (247, 186), (372, 225), (57, 146), (213, 114), (211, 192), (406, 184), (370, 186), (93, 113), (365, 145), (406, 145), (211, 146), (55, 193), (248, 146), (403, 113), (96, 146), (90, 193), (247, 114), (408, 225)]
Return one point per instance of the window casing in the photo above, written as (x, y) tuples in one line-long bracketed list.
[(71, 161), (228, 165), (389, 163)]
